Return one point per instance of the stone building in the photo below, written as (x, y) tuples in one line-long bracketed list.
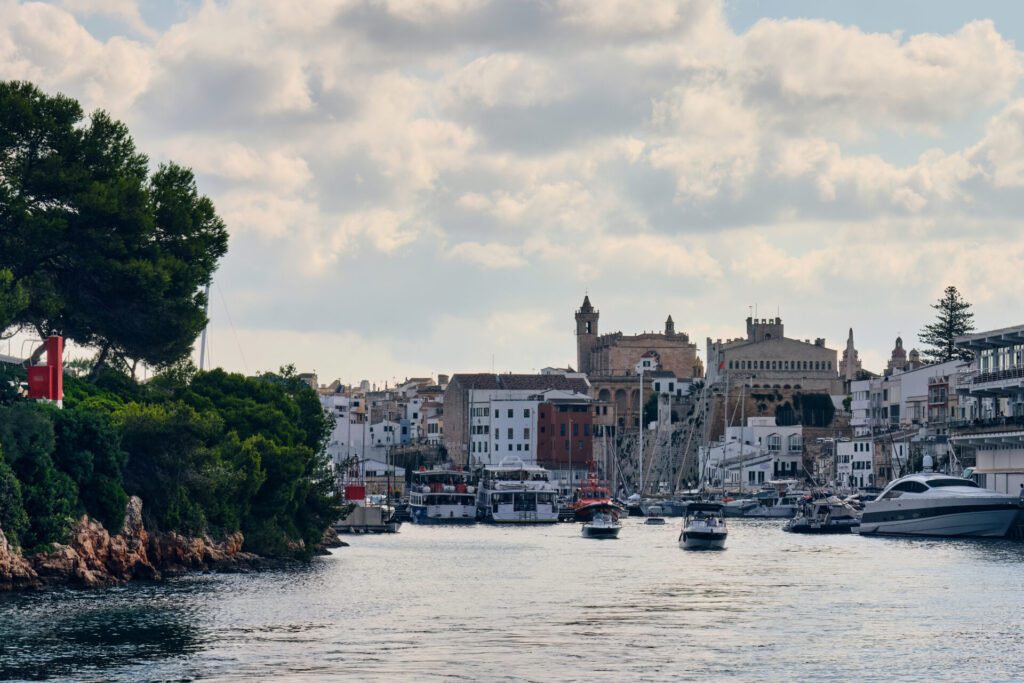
[(611, 361), (849, 365), (900, 362), (767, 357)]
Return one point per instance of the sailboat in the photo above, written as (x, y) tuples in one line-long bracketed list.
[(704, 526)]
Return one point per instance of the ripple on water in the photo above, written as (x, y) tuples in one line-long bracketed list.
[(484, 603)]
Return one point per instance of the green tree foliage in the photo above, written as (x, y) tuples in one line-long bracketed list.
[(13, 518), (813, 410), (50, 496), (953, 319), (88, 449), (98, 250), (13, 299)]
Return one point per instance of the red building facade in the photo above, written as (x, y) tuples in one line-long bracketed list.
[(565, 434)]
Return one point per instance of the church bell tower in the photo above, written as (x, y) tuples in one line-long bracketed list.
[(586, 334)]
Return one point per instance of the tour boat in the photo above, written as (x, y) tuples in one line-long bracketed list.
[(513, 492), (932, 504), (824, 516), (595, 498), (703, 527), (602, 525), (442, 496)]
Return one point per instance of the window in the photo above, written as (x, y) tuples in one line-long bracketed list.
[(495, 412), (510, 433), (519, 446), (671, 387), (575, 430), (526, 412), (561, 430), (526, 433), (774, 442), (937, 483), (910, 487), (510, 446), (510, 412), (586, 430)]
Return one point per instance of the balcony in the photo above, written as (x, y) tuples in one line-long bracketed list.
[(996, 383), (995, 433)]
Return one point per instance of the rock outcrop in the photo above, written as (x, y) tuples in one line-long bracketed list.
[(16, 573), (93, 558), (176, 554)]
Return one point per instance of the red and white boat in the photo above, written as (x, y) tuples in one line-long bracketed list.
[(594, 498)]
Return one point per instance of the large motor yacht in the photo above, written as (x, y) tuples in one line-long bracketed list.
[(932, 504)]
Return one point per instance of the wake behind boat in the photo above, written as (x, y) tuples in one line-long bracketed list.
[(704, 527), (931, 504)]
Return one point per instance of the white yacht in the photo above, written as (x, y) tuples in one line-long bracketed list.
[(442, 496), (602, 525), (513, 492), (931, 504), (703, 527)]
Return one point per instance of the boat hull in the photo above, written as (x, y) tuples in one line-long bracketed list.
[(985, 521), (590, 531), (443, 514), (701, 540), (797, 526)]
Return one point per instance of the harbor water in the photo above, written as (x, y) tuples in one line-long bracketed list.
[(486, 603)]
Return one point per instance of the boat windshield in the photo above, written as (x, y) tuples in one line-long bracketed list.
[(937, 483)]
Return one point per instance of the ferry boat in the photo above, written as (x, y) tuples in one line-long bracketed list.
[(595, 498), (932, 504), (703, 527), (513, 492), (442, 496)]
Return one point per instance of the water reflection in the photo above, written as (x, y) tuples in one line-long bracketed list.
[(60, 633), (545, 604)]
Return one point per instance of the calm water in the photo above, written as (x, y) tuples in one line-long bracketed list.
[(485, 603)]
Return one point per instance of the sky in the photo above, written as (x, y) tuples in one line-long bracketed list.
[(416, 187)]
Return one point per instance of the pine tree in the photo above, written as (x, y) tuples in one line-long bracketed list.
[(953, 319)]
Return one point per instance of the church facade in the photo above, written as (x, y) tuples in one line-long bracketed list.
[(611, 362)]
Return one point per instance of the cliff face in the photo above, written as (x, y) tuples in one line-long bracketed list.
[(16, 572), (93, 558)]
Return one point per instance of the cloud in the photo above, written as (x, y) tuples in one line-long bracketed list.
[(491, 256), (482, 155), (126, 11)]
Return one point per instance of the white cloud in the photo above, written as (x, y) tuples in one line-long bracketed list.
[(440, 146), (491, 256)]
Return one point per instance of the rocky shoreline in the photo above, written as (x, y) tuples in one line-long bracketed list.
[(93, 558)]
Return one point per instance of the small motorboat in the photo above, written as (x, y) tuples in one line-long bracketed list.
[(602, 525), (654, 521), (824, 516), (703, 527)]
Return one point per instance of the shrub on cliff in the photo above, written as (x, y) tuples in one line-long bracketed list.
[(13, 519), (50, 496)]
